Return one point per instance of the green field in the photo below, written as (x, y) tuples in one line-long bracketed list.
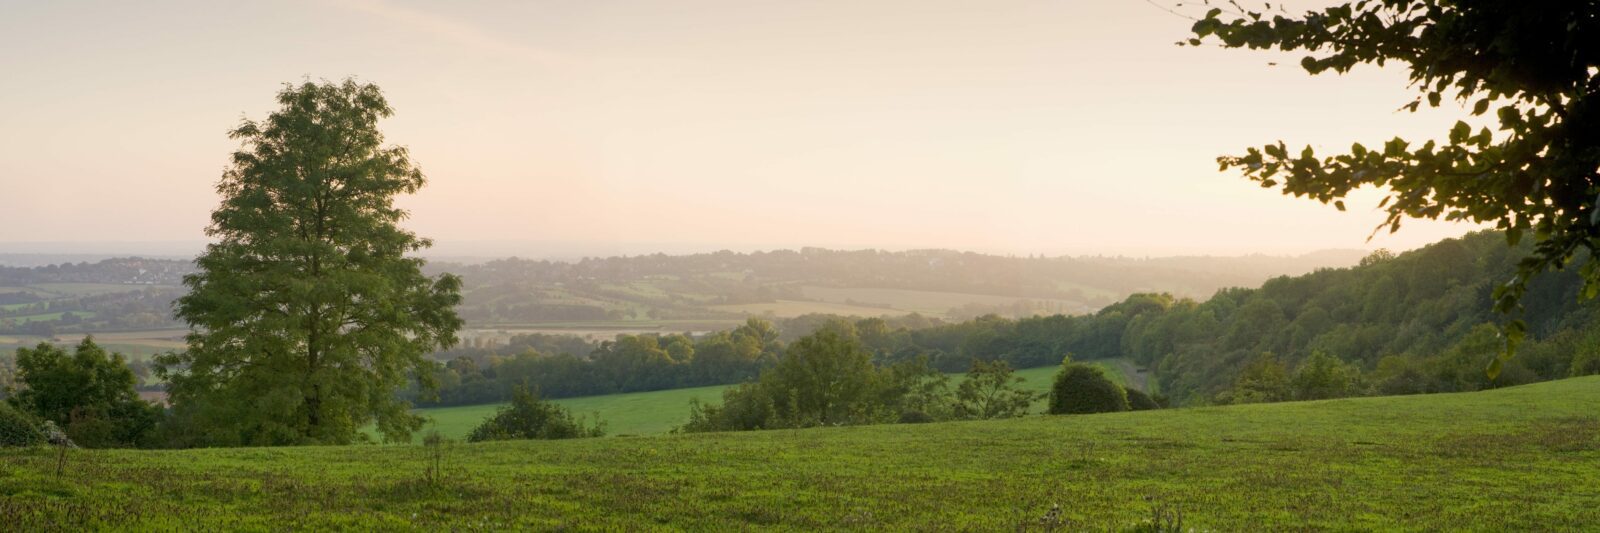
[(649, 413), (24, 319), (931, 303), (1523, 458), (635, 413), (794, 308)]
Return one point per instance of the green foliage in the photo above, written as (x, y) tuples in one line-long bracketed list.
[(990, 391), (557, 366), (1264, 379), (529, 417), (1533, 63), (17, 428), (1139, 401), (1587, 363), (826, 378), (89, 394), (1083, 389), (307, 312), (1324, 376)]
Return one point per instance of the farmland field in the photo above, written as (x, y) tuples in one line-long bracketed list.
[(90, 289), (1522, 458), (930, 303), (649, 413), (23, 319), (794, 308), (134, 344)]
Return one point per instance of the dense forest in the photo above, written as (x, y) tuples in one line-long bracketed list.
[(1417, 322)]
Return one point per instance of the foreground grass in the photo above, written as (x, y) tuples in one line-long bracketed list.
[(1525, 458), (657, 412)]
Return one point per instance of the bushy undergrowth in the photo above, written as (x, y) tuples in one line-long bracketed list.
[(1083, 389), (528, 417), (17, 428)]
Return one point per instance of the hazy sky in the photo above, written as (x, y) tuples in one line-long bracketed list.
[(1050, 126)]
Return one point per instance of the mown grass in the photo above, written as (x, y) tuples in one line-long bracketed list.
[(656, 412), (1524, 458)]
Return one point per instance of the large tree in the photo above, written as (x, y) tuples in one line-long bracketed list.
[(307, 312), (1532, 66)]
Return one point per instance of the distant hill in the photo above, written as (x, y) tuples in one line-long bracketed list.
[(699, 290), (786, 283)]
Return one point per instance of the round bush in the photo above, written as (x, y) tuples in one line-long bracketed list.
[(1083, 389), (1139, 401), (17, 428)]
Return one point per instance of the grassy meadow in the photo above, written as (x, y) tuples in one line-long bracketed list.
[(655, 412), (1522, 458)]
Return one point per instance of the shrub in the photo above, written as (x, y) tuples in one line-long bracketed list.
[(1586, 363), (992, 390), (915, 417), (1264, 379), (17, 428), (1324, 376), (1139, 401), (529, 417), (1083, 389)]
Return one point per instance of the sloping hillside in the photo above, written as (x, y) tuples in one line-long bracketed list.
[(1523, 458)]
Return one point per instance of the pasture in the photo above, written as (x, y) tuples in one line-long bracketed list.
[(1522, 458), (794, 308)]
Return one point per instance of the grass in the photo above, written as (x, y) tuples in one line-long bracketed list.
[(1523, 458), (634, 413), (656, 412)]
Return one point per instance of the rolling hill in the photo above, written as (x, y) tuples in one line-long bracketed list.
[(1521, 458)]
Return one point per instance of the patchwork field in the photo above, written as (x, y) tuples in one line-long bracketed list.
[(134, 344), (930, 303), (794, 308), (1523, 458)]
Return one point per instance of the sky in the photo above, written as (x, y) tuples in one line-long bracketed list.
[(596, 127)]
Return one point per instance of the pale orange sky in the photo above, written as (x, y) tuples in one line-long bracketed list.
[(1058, 127)]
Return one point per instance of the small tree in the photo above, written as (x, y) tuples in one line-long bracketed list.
[(1323, 376), (529, 417), (89, 394), (1083, 389), (1264, 380), (990, 391)]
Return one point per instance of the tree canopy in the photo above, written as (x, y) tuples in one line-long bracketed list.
[(1530, 68), (307, 313), (90, 393)]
